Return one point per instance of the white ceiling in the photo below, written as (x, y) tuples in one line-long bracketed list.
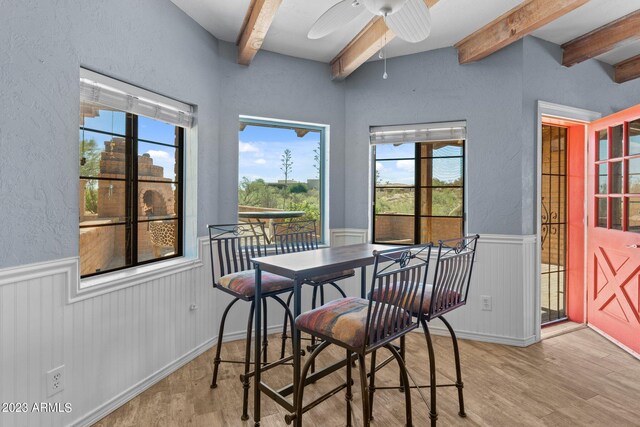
[(452, 21)]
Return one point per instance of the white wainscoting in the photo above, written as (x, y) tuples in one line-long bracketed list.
[(505, 270), (117, 344)]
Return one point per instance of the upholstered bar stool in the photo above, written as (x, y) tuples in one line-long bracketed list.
[(449, 291), (232, 247), (299, 236), (361, 326)]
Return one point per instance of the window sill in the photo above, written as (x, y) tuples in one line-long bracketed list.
[(110, 282)]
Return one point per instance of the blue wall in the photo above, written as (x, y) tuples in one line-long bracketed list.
[(153, 44)]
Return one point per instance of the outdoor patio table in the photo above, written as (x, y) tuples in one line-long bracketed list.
[(270, 216), (300, 266)]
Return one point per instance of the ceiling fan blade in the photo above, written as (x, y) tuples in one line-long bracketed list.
[(412, 22), (340, 14)]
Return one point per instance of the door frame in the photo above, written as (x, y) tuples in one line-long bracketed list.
[(576, 115)]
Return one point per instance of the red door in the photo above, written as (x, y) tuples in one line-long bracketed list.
[(613, 233)]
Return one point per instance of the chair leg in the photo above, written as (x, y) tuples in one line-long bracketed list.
[(366, 408), (349, 395), (456, 353), (303, 375), (433, 413), (372, 383), (313, 338), (284, 326), (407, 390), (265, 339), (216, 360), (402, 354), (247, 366)]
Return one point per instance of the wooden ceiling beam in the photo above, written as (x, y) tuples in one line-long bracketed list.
[(517, 23), (363, 46), (627, 70), (256, 23), (602, 40)]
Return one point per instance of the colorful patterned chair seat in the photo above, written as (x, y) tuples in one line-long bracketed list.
[(244, 283), (450, 298), (343, 320)]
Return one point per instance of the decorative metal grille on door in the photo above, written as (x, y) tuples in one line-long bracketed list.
[(554, 223)]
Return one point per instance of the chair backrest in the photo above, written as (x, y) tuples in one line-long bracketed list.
[(233, 246), (295, 236), (453, 275), (398, 285)]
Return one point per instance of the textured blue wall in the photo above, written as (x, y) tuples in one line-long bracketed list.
[(149, 43), (153, 44), (433, 87)]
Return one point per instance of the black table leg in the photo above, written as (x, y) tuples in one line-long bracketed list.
[(363, 282), (257, 348), (295, 334)]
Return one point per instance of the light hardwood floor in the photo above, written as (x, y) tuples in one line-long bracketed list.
[(574, 379)]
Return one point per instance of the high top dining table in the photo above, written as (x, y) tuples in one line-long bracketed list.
[(300, 266)]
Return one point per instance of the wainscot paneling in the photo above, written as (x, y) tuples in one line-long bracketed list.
[(115, 345)]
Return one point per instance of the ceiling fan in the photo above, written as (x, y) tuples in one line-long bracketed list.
[(408, 19)]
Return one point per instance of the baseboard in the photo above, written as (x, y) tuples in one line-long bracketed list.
[(478, 336), (615, 341), (124, 397)]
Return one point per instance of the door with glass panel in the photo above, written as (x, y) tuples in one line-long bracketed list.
[(613, 234)]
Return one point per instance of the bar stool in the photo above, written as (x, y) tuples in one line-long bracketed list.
[(362, 326), (232, 246), (452, 278), (299, 236)]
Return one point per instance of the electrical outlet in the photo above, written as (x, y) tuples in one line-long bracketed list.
[(486, 302), (55, 381)]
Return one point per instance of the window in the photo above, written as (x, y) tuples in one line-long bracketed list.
[(131, 178), (418, 192), (618, 169), (281, 172)]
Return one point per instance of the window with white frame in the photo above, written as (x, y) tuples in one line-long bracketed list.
[(281, 170), (131, 146)]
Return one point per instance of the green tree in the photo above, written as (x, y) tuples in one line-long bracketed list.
[(298, 188), (286, 168), (90, 167)]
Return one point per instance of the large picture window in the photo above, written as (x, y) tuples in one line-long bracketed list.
[(131, 189), (281, 172), (418, 193)]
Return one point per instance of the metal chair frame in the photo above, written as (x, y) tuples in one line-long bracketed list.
[(300, 236), (451, 280), (407, 273), (235, 245)]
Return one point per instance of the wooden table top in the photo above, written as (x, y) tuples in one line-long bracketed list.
[(327, 260)]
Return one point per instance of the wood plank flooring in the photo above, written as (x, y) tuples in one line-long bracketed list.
[(574, 379)]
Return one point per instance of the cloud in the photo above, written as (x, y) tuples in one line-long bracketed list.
[(261, 162), (379, 166), (159, 155), (247, 147), (406, 165)]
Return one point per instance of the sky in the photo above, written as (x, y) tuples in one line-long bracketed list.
[(261, 150), (401, 170), (149, 129)]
